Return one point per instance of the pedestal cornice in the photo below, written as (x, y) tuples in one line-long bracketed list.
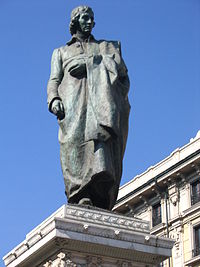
[(90, 232)]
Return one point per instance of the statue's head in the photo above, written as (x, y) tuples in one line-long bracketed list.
[(82, 19)]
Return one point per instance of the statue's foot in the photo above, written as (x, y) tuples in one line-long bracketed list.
[(85, 201)]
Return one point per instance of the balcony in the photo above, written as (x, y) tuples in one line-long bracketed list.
[(195, 198), (156, 220), (196, 252)]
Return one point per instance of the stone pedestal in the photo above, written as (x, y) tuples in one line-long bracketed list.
[(77, 236)]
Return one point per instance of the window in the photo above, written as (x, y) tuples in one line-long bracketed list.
[(195, 196), (156, 214), (196, 250)]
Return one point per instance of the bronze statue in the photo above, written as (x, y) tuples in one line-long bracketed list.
[(88, 92)]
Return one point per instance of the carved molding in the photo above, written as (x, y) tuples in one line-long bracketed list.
[(173, 194), (176, 234), (62, 260), (107, 218), (94, 261), (124, 264), (174, 199), (196, 167)]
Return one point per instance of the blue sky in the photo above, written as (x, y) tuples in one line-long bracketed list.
[(161, 48)]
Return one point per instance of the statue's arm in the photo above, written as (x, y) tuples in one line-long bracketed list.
[(55, 79), (123, 72), (123, 77)]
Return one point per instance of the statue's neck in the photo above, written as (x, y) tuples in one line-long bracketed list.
[(82, 36)]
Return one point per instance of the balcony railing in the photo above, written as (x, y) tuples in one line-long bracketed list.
[(196, 252), (156, 220), (195, 198)]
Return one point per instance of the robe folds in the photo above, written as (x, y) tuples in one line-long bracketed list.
[(93, 133)]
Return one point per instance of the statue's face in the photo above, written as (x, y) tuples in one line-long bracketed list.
[(86, 22)]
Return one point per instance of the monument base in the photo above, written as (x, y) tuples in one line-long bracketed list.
[(76, 236)]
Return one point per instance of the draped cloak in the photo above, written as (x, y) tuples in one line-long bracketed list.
[(93, 133)]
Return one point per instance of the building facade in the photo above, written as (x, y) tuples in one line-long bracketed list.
[(168, 195)]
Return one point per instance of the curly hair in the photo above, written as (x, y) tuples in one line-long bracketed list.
[(75, 15)]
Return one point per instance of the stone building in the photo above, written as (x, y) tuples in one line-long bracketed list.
[(168, 195)]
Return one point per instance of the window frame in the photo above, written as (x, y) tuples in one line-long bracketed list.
[(158, 204), (192, 183), (196, 252)]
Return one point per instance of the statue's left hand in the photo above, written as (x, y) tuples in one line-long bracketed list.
[(78, 70), (58, 109)]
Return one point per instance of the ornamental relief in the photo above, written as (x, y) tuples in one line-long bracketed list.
[(93, 261), (114, 219), (175, 234), (124, 264), (64, 260), (61, 261)]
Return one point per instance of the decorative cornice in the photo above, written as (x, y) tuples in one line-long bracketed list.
[(107, 218), (151, 180), (83, 230)]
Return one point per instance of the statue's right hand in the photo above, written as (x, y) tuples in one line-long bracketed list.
[(58, 109), (78, 70)]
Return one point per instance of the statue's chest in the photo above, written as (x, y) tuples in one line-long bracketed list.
[(80, 49)]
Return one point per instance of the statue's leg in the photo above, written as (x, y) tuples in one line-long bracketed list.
[(77, 168), (105, 181), (99, 189)]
